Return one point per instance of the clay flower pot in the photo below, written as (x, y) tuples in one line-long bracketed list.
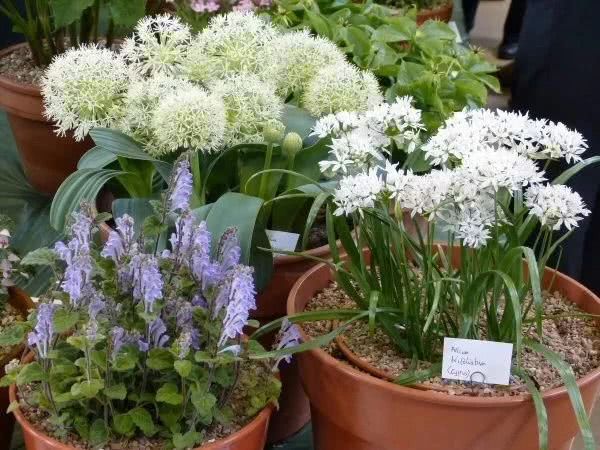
[(354, 410), (251, 437), (22, 302), (442, 13), (47, 158)]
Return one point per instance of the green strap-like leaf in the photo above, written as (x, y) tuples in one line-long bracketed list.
[(96, 158), (540, 408), (81, 186)]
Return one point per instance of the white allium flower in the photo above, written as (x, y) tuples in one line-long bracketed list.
[(556, 205), (357, 192), (232, 43), (335, 125), (473, 227), (558, 141), (189, 119), (297, 57), (141, 101), (249, 103), (83, 89), (341, 87), (489, 169), (157, 46)]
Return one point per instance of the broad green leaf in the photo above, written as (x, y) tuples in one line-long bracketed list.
[(98, 433), (125, 361), (404, 25), (297, 120), (13, 335), (143, 420), (40, 257), (30, 373), (116, 391), (183, 368), (96, 158), (389, 33), (204, 402), (81, 186), (359, 40), (319, 23), (168, 393), (187, 440), (123, 424), (438, 30), (159, 359), (87, 389), (127, 12), (68, 11), (64, 320)]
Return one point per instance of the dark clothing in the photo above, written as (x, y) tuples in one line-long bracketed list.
[(512, 24), (557, 75)]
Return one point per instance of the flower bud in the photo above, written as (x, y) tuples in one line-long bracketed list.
[(292, 144), (273, 131)]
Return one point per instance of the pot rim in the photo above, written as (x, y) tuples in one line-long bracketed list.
[(241, 434), (7, 83), (431, 395)]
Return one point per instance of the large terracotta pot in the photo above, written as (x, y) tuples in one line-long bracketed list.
[(47, 158), (251, 437), (21, 301), (442, 13), (352, 410)]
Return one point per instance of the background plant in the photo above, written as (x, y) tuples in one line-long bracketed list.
[(425, 62), (143, 343), (197, 13), (51, 26)]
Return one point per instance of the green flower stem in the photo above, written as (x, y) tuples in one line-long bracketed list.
[(264, 179), (198, 198)]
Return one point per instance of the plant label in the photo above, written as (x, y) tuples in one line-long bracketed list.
[(477, 361), (282, 240)]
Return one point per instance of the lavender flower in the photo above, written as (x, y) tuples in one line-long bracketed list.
[(229, 251), (206, 272), (205, 6), (43, 333), (182, 191), (147, 281), (184, 344), (241, 300), (95, 307), (185, 323), (119, 339), (120, 242), (157, 333), (289, 336), (182, 239)]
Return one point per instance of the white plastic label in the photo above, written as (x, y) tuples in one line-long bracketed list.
[(477, 361), (282, 240)]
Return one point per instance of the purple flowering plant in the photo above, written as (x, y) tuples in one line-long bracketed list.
[(197, 13), (134, 339)]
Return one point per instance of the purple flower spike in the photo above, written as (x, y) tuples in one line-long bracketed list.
[(289, 337), (182, 191), (229, 252), (42, 334), (241, 300), (157, 333), (119, 339), (147, 281), (120, 242)]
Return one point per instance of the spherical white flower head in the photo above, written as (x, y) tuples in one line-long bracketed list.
[(420, 194), (556, 205), (297, 57), (341, 87), (357, 192), (488, 169), (188, 119), (231, 43), (141, 101), (558, 141), (249, 103), (83, 89), (157, 45)]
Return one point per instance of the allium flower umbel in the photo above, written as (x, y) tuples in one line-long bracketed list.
[(556, 205), (357, 192), (157, 46), (341, 87), (249, 103), (232, 43), (191, 119), (83, 89)]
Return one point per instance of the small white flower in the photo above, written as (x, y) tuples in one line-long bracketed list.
[(335, 125), (357, 192), (157, 45), (231, 44), (559, 141), (83, 89), (249, 103), (556, 205), (188, 119), (341, 87)]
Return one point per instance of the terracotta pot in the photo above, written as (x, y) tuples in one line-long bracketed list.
[(442, 13), (352, 410), (47, 158), (21, 301), (251, 437)]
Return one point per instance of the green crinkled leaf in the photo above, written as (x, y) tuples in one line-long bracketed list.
[(143, 420), (68, 11), (40, 257), (64, 320), (98, 433), (123, 424), (359, 40), (13, 335), (168, 393), (87, 389), (187, 440), (389, 33), (117, 391), (159, 359), (204, 402), (183, 368), (30, 373), (125, 361), (127, 12)]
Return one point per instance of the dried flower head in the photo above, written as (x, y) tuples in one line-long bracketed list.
[(83, 88)]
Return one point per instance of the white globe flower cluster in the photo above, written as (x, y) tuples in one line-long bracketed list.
[(467, 197), (481, 129), (361, 140), (170, 89)]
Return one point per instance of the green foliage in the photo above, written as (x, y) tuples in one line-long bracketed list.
[(50, 25), (425, 62)]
